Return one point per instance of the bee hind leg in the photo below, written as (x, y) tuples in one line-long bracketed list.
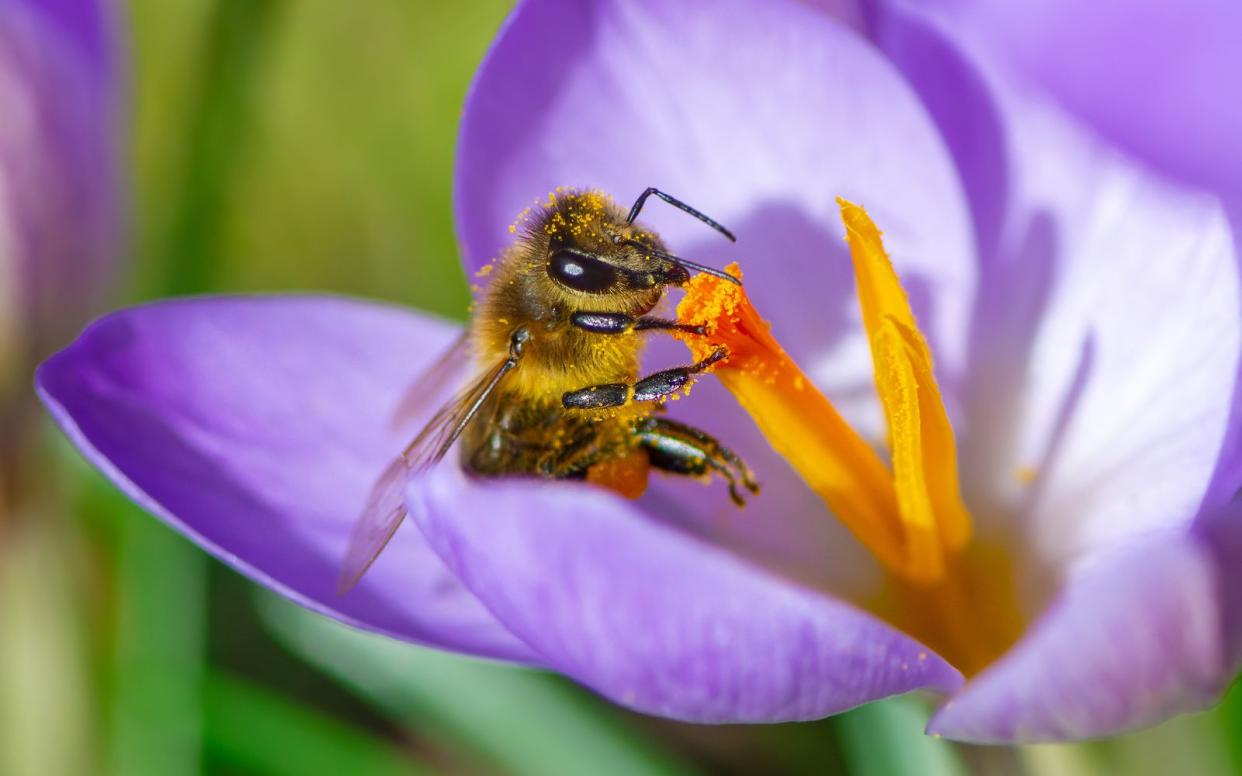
[(681, 449)]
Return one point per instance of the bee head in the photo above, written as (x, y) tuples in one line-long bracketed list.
[(593, 247)]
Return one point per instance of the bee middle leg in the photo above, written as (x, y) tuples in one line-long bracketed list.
[(651, 388), (682, 449)]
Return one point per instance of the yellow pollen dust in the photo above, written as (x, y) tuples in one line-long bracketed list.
[(910, 515), (579, 216)]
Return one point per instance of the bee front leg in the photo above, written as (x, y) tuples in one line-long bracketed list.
[(652, 388), (620, 323), (681, 449)]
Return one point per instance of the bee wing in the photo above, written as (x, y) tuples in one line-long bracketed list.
[(385, 506), (383, 513), (450, 367)]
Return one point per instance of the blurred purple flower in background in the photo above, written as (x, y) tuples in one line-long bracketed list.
[(1083, 310), (60, 223), (59, 204)]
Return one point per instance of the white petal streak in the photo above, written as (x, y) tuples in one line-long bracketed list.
[(1144, 317)]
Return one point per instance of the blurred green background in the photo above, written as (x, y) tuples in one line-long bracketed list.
[(283, 145)]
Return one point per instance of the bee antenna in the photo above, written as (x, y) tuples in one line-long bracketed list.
[(677, 203), (679, 261)]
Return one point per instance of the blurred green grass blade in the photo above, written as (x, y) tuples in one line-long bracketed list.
[(1195, 743), (1229, 717), (259, 732), (160, 638), (220, 123), (46, 720), (886, 739), (521, 720)]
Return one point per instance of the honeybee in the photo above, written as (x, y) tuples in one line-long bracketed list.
[(556, 340)]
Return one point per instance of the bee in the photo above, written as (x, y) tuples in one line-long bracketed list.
[(556, 339)]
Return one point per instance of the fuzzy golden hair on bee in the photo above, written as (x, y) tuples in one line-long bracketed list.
[(557, 327)]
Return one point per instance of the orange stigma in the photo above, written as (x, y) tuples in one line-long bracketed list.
[(909, 512)]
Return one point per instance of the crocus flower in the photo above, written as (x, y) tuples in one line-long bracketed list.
[(1083, 315), (58, 199)]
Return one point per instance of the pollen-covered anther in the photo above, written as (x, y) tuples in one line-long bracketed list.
[(909, 515)]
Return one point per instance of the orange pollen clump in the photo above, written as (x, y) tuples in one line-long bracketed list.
[(626, 475), (910, 515)]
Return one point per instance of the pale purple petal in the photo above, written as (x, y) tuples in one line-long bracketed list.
[(256, 426), (963, 106), (852, 13), (1133, 366), (1134, 641), (1103, 357), (654, 619), (1227, 479), (1108, 327), (1220, 521), (1159, 77), (761, 124), (1220, 529)]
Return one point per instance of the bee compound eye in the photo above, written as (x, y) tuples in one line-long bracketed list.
[(581, 272)]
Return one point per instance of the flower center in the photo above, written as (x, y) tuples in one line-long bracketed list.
[(909, 512)]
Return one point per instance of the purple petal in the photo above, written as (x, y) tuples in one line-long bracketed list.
[(1227, 479), (1158, 77), (1134, 641), (1104, 353), (1132, 368), (760, 124), (654, 619), (256, 426), (1220, 529), (1220, 521), (851, 13), (1108, 328), (962, 103)]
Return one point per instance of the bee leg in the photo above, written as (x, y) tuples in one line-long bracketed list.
[(571, 460), (681, 449), (651, 388), (620, 323)]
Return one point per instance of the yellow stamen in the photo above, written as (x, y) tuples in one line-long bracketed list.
[(911, 518), (924, 451)]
